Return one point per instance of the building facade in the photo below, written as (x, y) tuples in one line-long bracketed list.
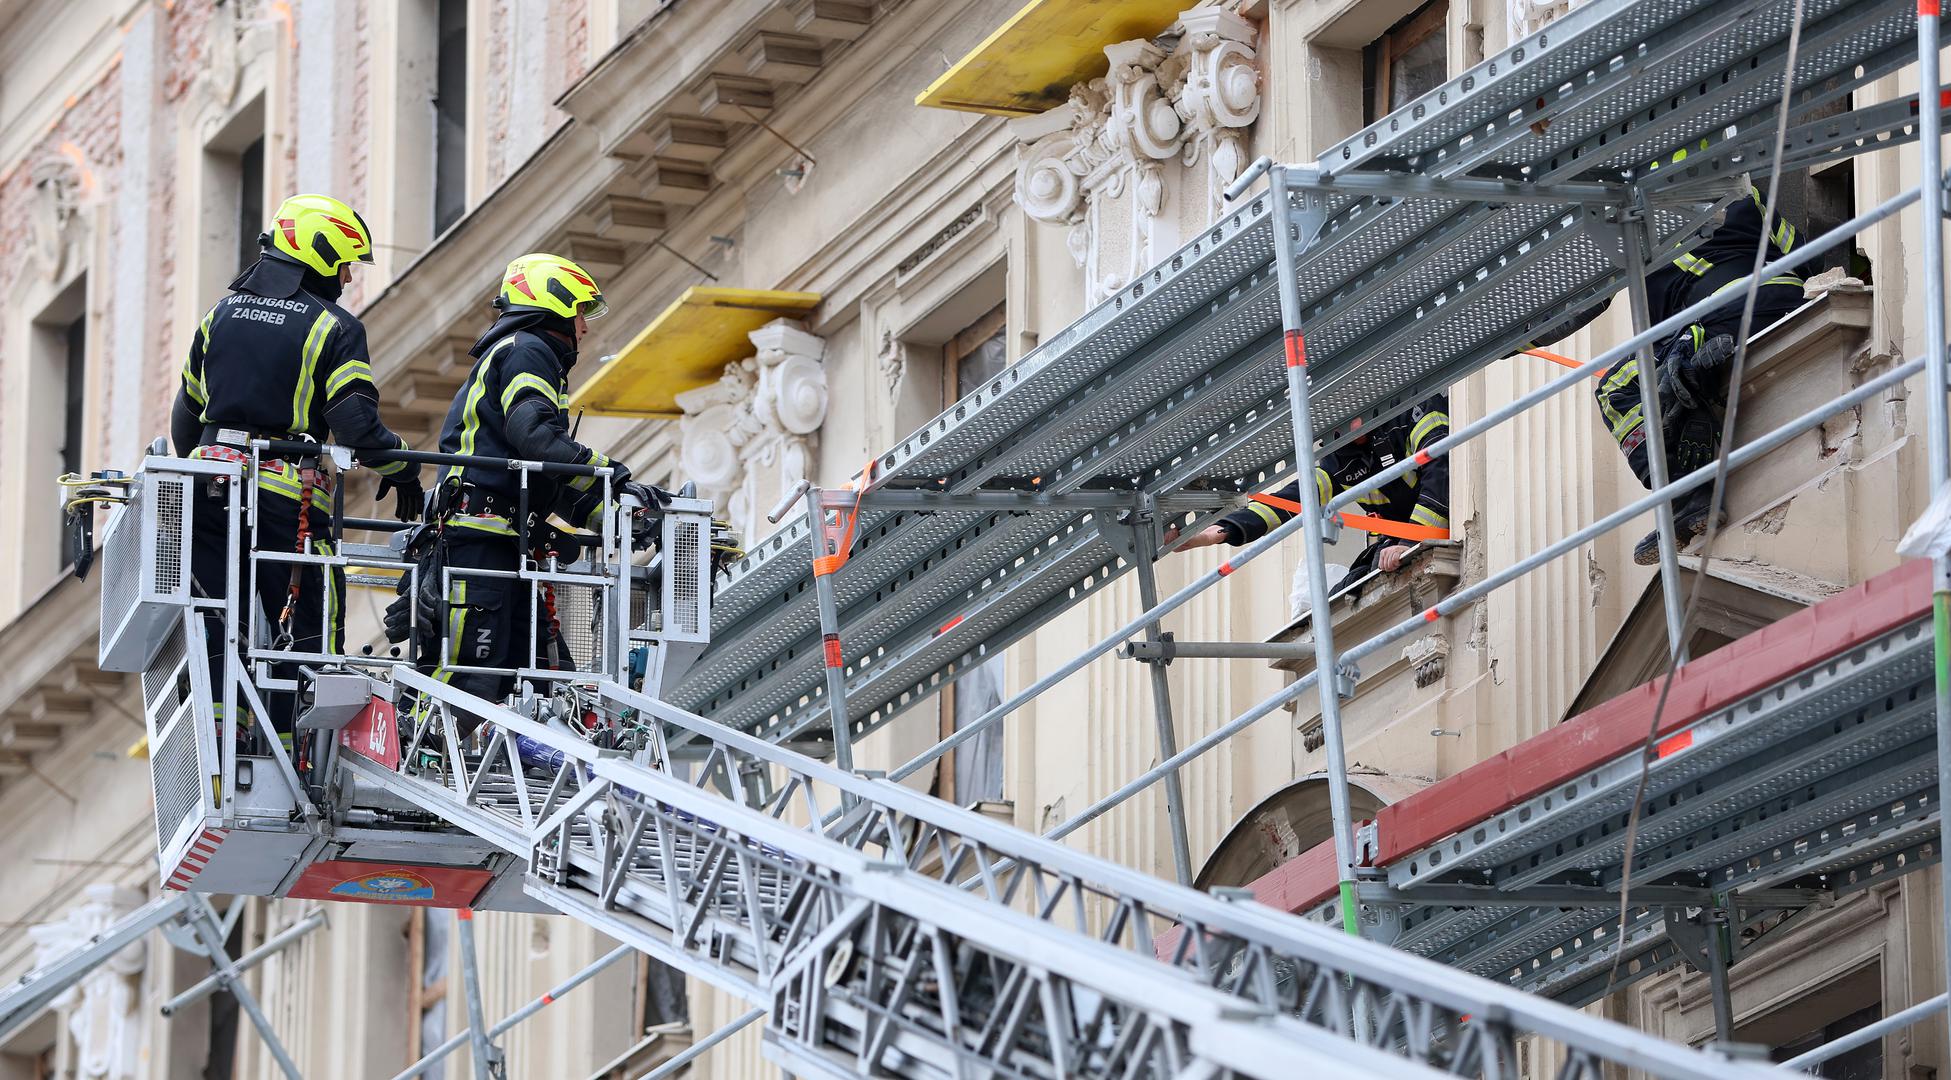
[(903, 253)]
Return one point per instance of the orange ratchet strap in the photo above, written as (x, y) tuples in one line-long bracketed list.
[(827, 564), (1401, 530)]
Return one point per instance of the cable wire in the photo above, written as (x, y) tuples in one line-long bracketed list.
[(1714, 502)]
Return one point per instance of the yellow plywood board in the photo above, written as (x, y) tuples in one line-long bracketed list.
[(684, 348), (1030, 63)]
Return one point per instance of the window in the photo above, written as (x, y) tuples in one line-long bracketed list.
[(973, 772), (74, 404), (450, 115), (1410, 59), (427, 935), (1837, 1007), (250, 201), (231, 210), (221, 1061), (56, 424), (1819, 199)]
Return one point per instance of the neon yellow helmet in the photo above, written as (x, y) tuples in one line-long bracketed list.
[(551, 283), (320, 232)]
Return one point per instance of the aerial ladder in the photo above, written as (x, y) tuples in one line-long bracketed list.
[(881, 930)]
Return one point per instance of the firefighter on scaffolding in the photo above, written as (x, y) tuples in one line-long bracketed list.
[(280, 359), (1696, 362), (512, 406), (1401, 513)]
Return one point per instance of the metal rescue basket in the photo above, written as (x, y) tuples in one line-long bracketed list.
[(260, 819)]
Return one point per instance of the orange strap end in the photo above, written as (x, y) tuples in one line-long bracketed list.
[(1561, 361), (1401, 530), (827, 564)]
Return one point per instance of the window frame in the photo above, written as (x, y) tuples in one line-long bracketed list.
[(1430, 20)]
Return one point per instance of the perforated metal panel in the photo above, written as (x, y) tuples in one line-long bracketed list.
[(178, 739), (146, 568), (1173, 383), (1826, 779), (686, 595)]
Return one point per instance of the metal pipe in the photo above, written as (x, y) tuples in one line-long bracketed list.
[(204, 925), (835, 657), (1215, 650), (455, 1040), (697, 1049), (1637, 236), (212, 983), (1937, 415), (1294, 344), (1117, 637), (1896, 1021), (1456, 438), (1703, 475), (484, 1050), (288, 447), (1146, 554), (1245, 180), (1803, 252)]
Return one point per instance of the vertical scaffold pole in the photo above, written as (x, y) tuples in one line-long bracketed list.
[(1326, 682), (205, 925), (483, 1050), (828, 557), (1638, 241), (1145, 550), (1938, 414)]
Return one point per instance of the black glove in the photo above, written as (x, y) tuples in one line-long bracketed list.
[(653, 497), (619, 475), (725, 546), (409, 497)]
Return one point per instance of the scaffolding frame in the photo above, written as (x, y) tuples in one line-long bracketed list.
[(605, 839), (1300, 212)]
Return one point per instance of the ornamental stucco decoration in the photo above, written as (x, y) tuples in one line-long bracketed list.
[(99, 1025), (1136, 159), (749, 437)]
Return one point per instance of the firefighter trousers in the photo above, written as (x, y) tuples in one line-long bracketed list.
[(1692, 434)]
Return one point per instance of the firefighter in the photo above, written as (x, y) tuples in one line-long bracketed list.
[(1696, 362), (1412, 507), (513, 406), (280, 359)]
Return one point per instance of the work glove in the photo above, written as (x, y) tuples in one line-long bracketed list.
[(725, 546), (653, 497), (409, 497)]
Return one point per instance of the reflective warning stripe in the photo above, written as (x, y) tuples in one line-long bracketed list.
[(1693, 264), (348, 373), (528, 380), (584, 483), (301, 395), (456, 617), (487, 523), (1624, 425), (1426, 515), (1424, 427), (1265, 513), (471, 408)]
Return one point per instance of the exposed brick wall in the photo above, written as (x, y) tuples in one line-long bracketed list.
[(500, 55), (575, 43), (358, 189)]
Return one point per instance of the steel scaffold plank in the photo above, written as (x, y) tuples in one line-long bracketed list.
[(1405, 295)]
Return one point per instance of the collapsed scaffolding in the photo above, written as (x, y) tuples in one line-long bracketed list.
[(1419, 250)]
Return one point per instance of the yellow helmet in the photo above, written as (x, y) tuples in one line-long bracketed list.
[(550, 283), (320, 232)]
